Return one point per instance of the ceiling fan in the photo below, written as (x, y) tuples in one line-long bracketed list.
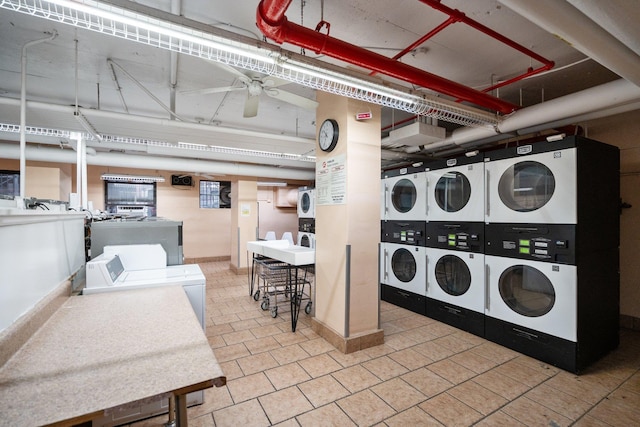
[(255, 85)]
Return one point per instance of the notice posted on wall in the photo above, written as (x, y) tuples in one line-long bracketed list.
[(331, 181)]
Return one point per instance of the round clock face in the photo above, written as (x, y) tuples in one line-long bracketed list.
[(328, 136)]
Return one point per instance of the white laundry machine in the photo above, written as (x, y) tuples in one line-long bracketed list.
[(556, 182), (306, 202), (456, 280), (106, 273), (404, 195), (403, 275), (532, 307), (308, 240), (455, 189)]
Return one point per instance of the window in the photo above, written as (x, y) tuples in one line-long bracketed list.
[(130, 198), (9, 183), (215, 194)]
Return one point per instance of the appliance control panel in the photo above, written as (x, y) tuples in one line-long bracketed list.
[(461, 236), (540, 242), (307, 225), (403, 232)]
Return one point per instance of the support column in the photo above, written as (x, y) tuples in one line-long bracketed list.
[(348, 227), (244, 222)]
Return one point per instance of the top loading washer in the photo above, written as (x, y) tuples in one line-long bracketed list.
[(404, 195), (534, 183), (455, 190), (306, 202)]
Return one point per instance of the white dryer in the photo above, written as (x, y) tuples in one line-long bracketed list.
[(455, 190), (306, 202), (403, 275), (306, 239), (404, 195), (456, 288), (534, 183)]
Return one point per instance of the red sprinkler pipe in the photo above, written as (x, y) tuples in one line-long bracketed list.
[(461, 17), (271, 19)]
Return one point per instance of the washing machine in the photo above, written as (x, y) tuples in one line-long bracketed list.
[(308, 240), (455, 189), (403, 275), (404, 194), (456, 274), (306, 202)]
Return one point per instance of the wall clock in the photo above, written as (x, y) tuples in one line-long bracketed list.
[(328, 136)]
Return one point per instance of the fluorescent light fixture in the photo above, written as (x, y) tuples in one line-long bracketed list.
[(170, 32), (130, 178), (271, 184)]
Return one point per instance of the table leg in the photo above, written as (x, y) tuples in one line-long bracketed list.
[(181, 410)]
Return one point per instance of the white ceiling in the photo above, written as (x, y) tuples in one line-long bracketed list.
[(458, 53)]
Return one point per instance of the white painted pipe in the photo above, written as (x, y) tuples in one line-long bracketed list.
[(619, 17), (23, 110), (48, 154), (569, 24), (594, 102)]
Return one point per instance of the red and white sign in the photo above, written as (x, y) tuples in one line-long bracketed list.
[(364, 116)]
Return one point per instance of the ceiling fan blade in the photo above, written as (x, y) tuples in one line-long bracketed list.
[(229, 69), (212, 90), (251, 106), (292, 98), (271, 82)]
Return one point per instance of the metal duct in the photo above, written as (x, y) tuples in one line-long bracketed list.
[(46, 154), (600, 101), (568, 23)]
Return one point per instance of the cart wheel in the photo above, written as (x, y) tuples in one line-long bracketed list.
[(274, 312), (265, 305), (307, 309), (256, 296)]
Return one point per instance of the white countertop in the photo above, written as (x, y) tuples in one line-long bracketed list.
[(281, 250), (101, 351)]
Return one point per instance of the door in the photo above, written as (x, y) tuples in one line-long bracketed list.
[(456, 278)]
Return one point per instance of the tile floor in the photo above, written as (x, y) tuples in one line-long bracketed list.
[(426, 374)]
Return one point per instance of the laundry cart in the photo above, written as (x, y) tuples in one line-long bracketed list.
[(281, 283), (282, 273)]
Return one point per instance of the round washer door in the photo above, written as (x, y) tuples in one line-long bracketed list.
[(452, 191), (403, 265), (453, 275), (526, 186), (526, 290), (305, 241), (305, 202), (404, 195)]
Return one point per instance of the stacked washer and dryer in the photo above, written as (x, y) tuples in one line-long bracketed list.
[(307, 217), (519, 247), (403, 252), (455, 243), (552, 261)]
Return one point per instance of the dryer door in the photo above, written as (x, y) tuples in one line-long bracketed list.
[(404, 197), (456, 278), (306, 204), (539, 188), (456, 193), (404, 267), (537, 295)]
